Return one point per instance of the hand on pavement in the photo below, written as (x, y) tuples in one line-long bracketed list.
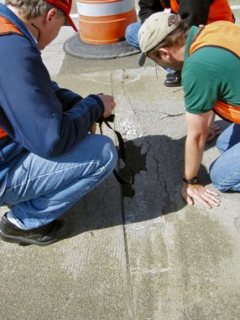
[(197, 192)]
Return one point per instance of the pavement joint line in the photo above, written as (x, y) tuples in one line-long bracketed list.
[(125, 237), (127, 256)]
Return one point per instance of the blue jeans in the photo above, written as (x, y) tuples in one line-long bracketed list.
[(225, 170), (131, 34), (38, 191)]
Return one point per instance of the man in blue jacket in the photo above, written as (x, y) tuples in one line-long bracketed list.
[(48, 157)]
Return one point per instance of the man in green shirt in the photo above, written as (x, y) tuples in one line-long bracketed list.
[(201, 53)]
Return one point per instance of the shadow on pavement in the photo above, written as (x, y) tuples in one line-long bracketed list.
[(157, 164)]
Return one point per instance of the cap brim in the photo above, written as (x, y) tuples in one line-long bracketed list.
[(142, 59), (70, 23)]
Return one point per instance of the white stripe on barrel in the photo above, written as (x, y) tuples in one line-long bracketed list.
[(104, 21), (98, 9)]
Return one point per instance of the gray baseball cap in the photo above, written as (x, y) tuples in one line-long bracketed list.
[(154, 30)]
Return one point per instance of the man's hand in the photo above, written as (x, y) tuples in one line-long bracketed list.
[(109, 104), (197, 192)]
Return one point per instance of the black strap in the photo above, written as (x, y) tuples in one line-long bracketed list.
[(122, 149)]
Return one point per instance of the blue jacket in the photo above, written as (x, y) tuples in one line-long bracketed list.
[(38, 116)]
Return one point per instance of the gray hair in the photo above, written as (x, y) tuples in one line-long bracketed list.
[(29, 9)]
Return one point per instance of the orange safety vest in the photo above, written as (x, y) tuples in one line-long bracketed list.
[(221, 34), (219, 10), (6, 27)]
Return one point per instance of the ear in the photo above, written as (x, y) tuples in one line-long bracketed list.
[(164, 53), (51, 15)]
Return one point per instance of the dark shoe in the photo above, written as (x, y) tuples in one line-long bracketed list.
[(41, 236), (173, 79)]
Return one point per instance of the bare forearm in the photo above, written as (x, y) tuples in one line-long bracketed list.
[(194, 147), (198, 128)]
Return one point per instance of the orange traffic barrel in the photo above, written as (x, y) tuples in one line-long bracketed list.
[(104, 21)]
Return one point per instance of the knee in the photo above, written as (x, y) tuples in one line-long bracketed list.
[(131, 35), (217, 181), (129, 31), (222, 180), (109, 154), (216, 176)]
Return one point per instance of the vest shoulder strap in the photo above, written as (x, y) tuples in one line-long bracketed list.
[(6, 27), (221, 34)]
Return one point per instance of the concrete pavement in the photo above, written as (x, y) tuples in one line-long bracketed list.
[(139, 254)]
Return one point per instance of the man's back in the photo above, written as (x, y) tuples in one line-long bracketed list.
[(204, 79)]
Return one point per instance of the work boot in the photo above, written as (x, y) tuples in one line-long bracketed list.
[(173, 79), (41, 236)]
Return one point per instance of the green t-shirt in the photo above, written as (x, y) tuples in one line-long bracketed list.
[(208, 75)]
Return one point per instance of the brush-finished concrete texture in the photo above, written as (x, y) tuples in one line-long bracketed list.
[(133, 254)]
